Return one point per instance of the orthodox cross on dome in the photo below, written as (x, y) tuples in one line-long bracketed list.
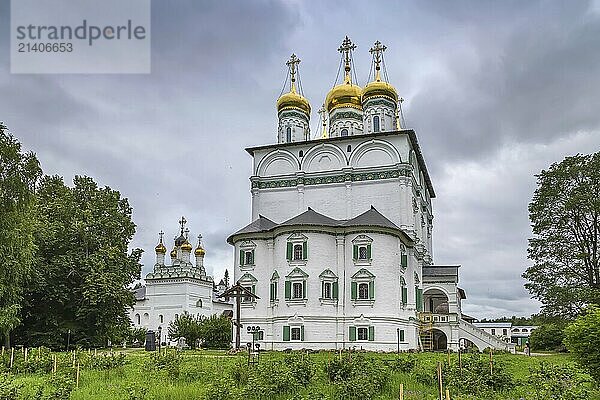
[(292, 64), (199, 239), (182, 222), (160, 235), (187, 233), (377, 52), (346, 50)]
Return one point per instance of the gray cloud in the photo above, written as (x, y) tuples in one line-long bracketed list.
[(495, 90)]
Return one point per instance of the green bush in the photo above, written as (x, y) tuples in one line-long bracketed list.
[(548, 337), (301, 366), (357, 376), (167, 361), (215, 332), (403, 363), (8, 389), (559, 382), (61, 385), (582, 338), (475, 377)]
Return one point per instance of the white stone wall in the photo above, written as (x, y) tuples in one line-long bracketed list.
[(403, 200), (172, 297), (326, 324)]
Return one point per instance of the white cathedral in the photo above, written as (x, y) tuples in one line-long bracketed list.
[(339, 250)]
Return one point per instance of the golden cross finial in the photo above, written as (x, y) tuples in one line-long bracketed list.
[(160, 235), (182, 222), (377, 52), (346, 49), (293, 65), (187, 232)]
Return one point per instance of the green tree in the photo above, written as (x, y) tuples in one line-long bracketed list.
[(19, 175), (548, 336), (582, 338), (215, 332), (565, 218), (186, 326), (83, 266)]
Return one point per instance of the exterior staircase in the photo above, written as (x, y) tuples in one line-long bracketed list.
[(426, 332), (481, 338)]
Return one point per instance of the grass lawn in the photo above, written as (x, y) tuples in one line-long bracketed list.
[(215, 375)]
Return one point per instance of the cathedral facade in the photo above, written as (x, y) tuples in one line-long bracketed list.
[(339, 251)]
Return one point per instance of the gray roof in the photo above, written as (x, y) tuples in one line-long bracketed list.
[(441, 270), (370, 218), (260, 225), (311, 217)]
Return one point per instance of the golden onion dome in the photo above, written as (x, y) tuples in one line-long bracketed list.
[(344, 95), (173, 253), (199, 251), (293, 100), (160, 248), (379, 88), (186, 246)]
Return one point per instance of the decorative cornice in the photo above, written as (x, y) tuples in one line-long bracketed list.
[(258, 183), (379, 100), (346, 115)]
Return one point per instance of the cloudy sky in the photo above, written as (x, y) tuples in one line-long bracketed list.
[(496, 91)]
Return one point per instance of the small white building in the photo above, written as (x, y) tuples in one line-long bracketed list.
[(174, 288), (520, 334), (502, 330)]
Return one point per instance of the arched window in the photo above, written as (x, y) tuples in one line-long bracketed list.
[(344, 132), (349, 148), (376, 123), (301, 153), (288, 135), (199, 303), (298, 252), (138, 320), (161, 319), (363, 291)]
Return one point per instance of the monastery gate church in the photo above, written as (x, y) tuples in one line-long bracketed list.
[(339, 249)]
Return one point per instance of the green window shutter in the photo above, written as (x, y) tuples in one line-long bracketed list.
[(404, 259), (371, 333), (305, 251), (241, 257), (289, 250), (335, 290), (404, 295), (286, 333), (368, 252), (303, 289), (372, 290), (275, 290), (288, 290), (420, 299), (402, 335), (352, 333), (253, 289), (355, 252), (252, 256), (322, 289), (417, 297), (302, 333), (272, 292), (353, 290)]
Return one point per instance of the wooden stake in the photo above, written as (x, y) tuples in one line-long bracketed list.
[(55, 363), (2, 350), (491, 362), (95, 352), (25, 355), (401, 391), (439, 371), (12, 357), (77, 376), (447, 394), (448, 357), (73, 358)]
